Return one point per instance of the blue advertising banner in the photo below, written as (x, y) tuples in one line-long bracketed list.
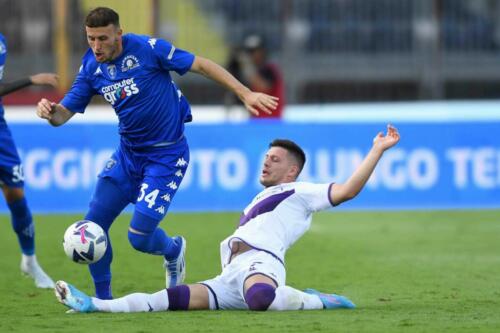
[(436, 165)]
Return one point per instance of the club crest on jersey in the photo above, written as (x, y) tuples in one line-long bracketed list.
[(110, 163), (129, 62), (112, 71)]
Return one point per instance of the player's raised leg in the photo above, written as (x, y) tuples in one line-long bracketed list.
[(183, 297), (107, 203), (158, 188), (145, 236)]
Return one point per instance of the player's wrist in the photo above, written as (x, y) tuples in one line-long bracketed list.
[(242, 93)]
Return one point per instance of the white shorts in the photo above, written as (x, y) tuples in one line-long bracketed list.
[(227, 288)]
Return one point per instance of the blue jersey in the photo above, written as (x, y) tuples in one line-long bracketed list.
[(137, 84), (10, 164), (3, 56)]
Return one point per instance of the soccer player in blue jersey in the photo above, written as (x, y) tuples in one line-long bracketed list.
[(12, 179), (132, 73)]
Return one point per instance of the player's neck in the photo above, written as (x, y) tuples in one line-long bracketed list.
[(118, 52)]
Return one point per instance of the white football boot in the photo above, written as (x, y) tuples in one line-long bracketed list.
[(176, 269), (30, 267)]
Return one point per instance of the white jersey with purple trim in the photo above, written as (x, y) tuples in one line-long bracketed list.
[(277, 217)]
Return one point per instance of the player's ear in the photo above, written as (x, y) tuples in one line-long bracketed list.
[(294, 171)]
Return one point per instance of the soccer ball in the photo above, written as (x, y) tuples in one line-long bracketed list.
[(85, 242)]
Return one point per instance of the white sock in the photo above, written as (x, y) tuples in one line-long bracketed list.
[(28, 261), (138, 302), (288, 298)]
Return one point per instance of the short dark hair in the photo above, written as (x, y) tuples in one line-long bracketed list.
[(102, 17), (293, 149)]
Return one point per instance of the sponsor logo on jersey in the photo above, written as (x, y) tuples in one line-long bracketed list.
[(112, 71), (129, 62), (98, 71), (120, 90)]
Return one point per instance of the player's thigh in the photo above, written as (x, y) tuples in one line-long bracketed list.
[(158, 188), (11, 169), (118, 171), (224, 289), (261, 267)]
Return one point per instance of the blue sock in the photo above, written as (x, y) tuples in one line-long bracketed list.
[(107, 203), (103, 289), (153, 240), (22, 223)]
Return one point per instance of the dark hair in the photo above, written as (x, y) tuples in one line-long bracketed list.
[(102, 17), (293, 149)]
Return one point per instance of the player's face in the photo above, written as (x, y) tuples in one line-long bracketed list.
[(258, 56), (105, 42), (278, 167)]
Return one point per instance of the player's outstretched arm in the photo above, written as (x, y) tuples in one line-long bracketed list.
[(343, 192), (251, 100), (45, 78), (37, 79), (56, 114)]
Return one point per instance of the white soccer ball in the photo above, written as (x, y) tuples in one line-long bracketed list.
[(85, 242)]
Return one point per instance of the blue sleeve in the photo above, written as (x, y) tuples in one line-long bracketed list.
[(171, 58), (3, 55), (80, 94)]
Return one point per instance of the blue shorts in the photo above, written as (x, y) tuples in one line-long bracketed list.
[(149, 177), (11, 170)]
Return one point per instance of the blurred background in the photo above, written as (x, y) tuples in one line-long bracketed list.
[(328, 50), (343, 70)]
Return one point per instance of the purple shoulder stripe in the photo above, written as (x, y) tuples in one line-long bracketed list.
[(266, 205)]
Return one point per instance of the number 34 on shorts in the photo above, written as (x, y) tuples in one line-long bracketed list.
[(156, 198)]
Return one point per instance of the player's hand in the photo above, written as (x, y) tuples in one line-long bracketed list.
[(255, 101), (45, 78), (45, 109), (390, 139)]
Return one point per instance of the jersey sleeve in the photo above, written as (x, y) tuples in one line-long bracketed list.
[(171, 58), (3, 55), (315, 196), (80, 94)]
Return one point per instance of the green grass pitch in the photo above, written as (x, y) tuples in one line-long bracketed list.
[(406, 271)]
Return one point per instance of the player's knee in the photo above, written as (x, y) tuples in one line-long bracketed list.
[(140, 242), (13, 194), (260, 296)]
